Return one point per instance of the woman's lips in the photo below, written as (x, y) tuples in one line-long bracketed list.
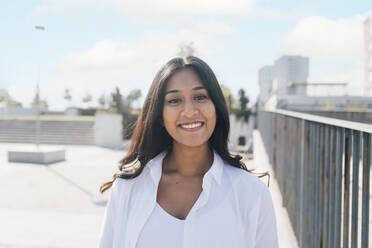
[(191, 126)]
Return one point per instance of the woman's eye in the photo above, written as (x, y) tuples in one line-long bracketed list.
[(200, 97), (174, 100)]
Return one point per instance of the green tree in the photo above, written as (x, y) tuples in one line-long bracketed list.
[(8, 100), (243, 111), (102, 101), (124, 106), (43, 104), (11, 102), (186, 49), (38, 103), (87, 98), (229, 98), (243, 99), (67, 96), (133, 96)]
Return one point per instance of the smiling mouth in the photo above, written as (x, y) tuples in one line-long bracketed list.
[(192, 126)]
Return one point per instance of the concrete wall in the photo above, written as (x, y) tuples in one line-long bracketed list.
[(240, 128), (16, 110), (51, 132), (108, 130)]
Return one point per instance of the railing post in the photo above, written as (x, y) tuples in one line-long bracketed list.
[(331, 199), (365, 192), (311, 176), (274, 143), (306, 180), (327, 165), (299, 180), (346, 188), (338, 185), (311, 159), (354, 214), (318, 177)]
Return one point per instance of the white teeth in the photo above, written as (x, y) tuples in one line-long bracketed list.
[(193, 125)]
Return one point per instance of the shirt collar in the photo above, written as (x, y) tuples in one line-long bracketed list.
[(216, 169), (155, 167)]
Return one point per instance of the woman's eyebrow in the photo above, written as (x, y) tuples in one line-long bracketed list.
[(175, 90), (171, 91), (198, 88)]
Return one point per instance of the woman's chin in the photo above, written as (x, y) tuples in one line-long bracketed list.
[(192, 143)]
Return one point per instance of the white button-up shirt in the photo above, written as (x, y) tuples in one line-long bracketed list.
[(234, 209)]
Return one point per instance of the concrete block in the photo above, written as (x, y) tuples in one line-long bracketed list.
[(108, 130), (36, 157)]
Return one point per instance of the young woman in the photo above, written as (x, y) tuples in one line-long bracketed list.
[(178, 185)]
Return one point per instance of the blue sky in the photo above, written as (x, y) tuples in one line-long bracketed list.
[(93, 46)]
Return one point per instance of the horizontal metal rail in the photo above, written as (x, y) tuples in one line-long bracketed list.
[(362, 127), (321, 164)]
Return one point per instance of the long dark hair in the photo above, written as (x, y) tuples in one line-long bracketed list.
[(150, 137)]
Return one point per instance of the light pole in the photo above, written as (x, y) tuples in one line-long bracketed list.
[(37, 98), (47, 155)]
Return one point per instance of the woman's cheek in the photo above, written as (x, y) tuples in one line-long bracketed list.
[(170, 114), (209, 110)]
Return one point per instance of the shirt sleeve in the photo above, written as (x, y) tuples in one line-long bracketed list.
[(107, 230), (266, 235)]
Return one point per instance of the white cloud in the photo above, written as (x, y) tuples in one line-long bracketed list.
[(180, 10), (280, 14), (206, 16), (322, 38), (156, 10), (335, 48), (129, 64), (211, 26), (65, 7)]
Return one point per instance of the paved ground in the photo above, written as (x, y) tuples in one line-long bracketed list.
[(59, 205), (286, 234)]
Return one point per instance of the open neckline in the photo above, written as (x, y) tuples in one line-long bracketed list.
[(170, 215)]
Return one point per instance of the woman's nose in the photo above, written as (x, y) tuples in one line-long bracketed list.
[(189, 109)]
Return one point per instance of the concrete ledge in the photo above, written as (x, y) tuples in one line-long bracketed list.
[(36, 157)]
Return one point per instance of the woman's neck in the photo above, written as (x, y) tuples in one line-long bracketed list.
[(188, 161)]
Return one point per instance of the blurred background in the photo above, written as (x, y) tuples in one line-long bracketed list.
[(74, 75)]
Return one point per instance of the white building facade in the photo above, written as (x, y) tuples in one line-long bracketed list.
[(265, 81), (289, 70), (283, 78)]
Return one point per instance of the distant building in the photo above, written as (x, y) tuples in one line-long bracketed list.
[(4, 96), (265, 81), (368, 56), (288, 76), (285, 85), (289, 70)]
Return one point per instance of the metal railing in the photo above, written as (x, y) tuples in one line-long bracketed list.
[(318, 163)]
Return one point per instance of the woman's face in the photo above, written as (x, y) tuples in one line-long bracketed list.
[(189, 115)]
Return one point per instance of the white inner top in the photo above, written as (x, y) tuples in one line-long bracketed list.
[(234, 210), (161, 230)]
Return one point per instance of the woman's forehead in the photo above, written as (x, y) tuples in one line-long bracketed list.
[(185, 79)]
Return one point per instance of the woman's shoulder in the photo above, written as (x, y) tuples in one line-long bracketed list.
[(250, 191), (245, 179), (122, 183), (122, 187)]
